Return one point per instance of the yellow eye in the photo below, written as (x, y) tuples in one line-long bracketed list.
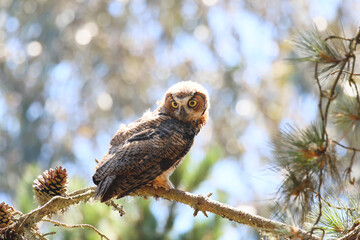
[(174, 104), (192, 103)]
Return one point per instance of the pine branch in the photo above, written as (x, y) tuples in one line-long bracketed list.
[(205, 204), (316, 49), (354, 234), (198, 202), (308, 157), (53, 206)]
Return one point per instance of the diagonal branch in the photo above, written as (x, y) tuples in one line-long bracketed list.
[(353, 234), (205, 204), (198, 202)]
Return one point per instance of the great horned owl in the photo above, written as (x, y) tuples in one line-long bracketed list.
[(147, 151)]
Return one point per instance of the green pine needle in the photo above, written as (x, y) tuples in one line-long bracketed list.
[(346, 116), (338, 217), (314, 48), (329, 54), (301, 150), (301, 155)]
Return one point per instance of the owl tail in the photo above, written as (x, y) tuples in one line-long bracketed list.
[(103, 190), (110, 187)]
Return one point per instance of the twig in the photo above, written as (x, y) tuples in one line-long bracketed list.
[(337, 37), (349, 169), (354, 42), (57, 223), (332, 205), (316, 75), (116, 207), (325, 134), (49, 233), (332, 93), (321, 229), (351, 80), (352, 48), (320, 203), (343, 146), (344, 71), (357, 91)]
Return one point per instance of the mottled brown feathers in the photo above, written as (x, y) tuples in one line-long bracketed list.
[(147, 151)]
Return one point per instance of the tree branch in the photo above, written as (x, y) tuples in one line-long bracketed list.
[(51, 207), (205, 204), (198, 202), (354, 234)]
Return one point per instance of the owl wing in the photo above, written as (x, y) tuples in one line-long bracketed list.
[(127, 131), (143, 157)]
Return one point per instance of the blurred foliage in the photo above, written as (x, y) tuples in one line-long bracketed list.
[(72, 71), (346, 116), (195, 174)]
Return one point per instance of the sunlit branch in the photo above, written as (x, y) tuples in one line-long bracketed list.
[(198, 202)]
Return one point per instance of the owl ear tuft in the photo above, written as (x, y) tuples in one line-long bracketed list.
[(162, 102), (205, 101), (164, 105)]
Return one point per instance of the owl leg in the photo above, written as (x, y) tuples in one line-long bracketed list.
[(162, 181)]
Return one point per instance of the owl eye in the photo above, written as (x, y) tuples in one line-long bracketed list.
[(174, 104), (192, 103)]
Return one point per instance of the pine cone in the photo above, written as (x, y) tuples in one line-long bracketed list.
[(52, 183), (6, 215), (9, 234)]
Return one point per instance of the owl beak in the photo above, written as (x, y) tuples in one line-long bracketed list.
[(183, 113)]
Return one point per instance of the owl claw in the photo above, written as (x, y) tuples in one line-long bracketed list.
[(162, 182)]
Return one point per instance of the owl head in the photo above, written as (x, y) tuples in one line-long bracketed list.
[(187, 101)]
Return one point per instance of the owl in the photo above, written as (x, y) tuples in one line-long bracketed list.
[(147, 151)]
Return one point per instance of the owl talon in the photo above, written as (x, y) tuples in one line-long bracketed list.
[(166, 186), (162, 182)]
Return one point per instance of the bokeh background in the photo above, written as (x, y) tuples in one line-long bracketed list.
[(72, 71)]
